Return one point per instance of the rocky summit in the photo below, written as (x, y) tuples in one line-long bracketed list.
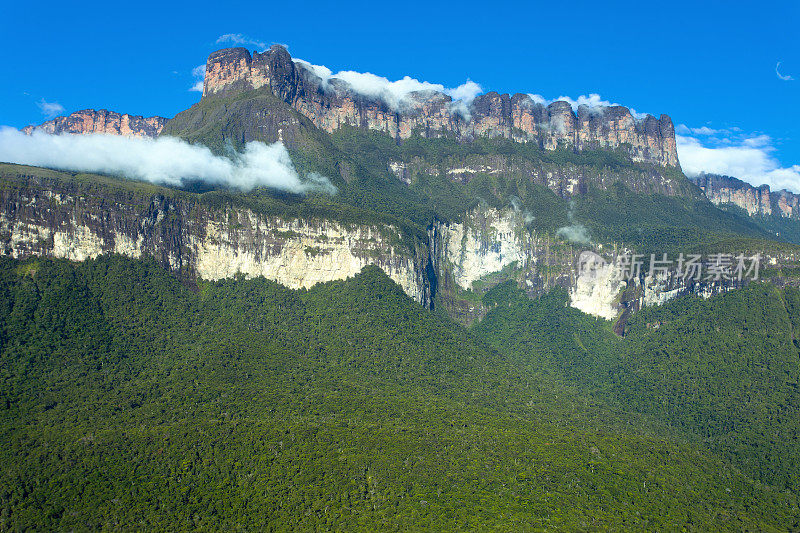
[(102, 121), (331, 103)]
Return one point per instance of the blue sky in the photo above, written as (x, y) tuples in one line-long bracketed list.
[(711, 66)]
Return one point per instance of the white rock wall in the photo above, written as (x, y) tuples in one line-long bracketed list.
[(300, 255), (292, 252), (486, 242)]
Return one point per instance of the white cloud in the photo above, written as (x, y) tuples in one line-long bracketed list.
[(781, 76), (576, 233), (747, 158), (321, 71), (463, 95), (50, 109), (238, 38), (165, 160), (593, 101), (704, 130), (398, 95), (199, 74), (539, 99)]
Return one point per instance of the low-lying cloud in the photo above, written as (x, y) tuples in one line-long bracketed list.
[(575, 233), (165, 160), (592, 100), (520, 210), (398, 95), (747, 157)]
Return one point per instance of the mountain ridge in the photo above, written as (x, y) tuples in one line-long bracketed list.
[(331, 103), (756, 200), (101, 121)]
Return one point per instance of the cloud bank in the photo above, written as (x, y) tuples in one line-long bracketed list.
[(50, 109), (164, 161), (728, 152), (398, 95)]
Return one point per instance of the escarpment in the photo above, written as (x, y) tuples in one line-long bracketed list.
[(102, 121), (755, 200), (454, 169), (332, 103), (50, 217), (50, 214)]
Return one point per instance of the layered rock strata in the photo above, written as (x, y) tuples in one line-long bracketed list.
[(331, 103), (54, 217), (755, 200), (40, 217), (102, 121)]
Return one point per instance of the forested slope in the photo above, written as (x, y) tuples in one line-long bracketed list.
[(723, 370), (130, 401)]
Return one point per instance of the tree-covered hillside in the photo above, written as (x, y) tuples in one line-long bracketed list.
[(130, 401), (724, 370)]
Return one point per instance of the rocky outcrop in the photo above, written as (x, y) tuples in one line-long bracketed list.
[(44, 217), (755, 200), (331, 103), (102, 121), (490, 246), (46, 213)]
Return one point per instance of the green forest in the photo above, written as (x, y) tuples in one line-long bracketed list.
[(130, 400)]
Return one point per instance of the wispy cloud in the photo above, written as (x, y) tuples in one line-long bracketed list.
[(238, 38), (575, 233), (199, 74), (592, 101), (165, 160), (747, 157), (398, 95), (683, 129), (781, 76), (50, 109)]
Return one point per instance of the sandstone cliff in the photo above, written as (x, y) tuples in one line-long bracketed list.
[(44, 214), (102, 121), (331, 103), (54, 214), (755, 200)]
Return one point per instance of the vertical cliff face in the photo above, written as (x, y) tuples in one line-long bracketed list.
[(102, 121), (563, 178), (44, 217), (331, 103), (755, 200), (56, 218), (492, 245), (48, 213)]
